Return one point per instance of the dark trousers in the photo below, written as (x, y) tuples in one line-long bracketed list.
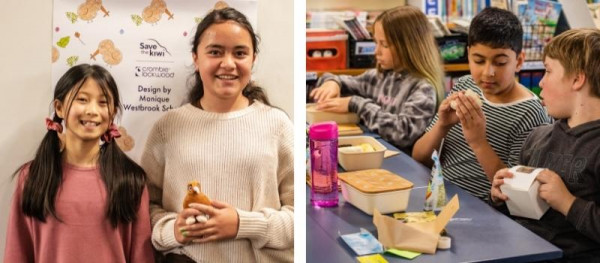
[(176, 258)]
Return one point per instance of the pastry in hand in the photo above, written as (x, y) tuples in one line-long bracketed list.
[(469, 93)]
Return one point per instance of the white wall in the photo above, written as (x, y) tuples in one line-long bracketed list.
[(25, 71)]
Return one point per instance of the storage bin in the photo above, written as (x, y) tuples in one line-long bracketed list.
[(376, 189), (352, 161), (453, 48), (319, 42)]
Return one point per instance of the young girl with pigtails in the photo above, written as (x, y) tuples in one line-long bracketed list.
[(81, 199)]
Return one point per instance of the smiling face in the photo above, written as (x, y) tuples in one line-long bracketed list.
[(88, 113), (493, 69), (383, 51), (224, 60)]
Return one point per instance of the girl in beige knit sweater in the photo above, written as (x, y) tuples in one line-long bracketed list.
[(237, 146)]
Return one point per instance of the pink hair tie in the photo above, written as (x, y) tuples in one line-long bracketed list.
[(111, 133), (53, 126)]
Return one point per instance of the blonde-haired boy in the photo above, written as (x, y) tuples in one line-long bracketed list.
[(569, 149)]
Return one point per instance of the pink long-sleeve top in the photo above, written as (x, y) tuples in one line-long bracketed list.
[(85, 233)]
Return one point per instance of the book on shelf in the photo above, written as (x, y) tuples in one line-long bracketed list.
[(351, 24), (439, 28), (460, 24), (539, 19), (326, 19)]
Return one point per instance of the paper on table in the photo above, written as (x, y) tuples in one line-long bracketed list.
[(418, 237), (403, 253), (376, 258), (363, 242), (390, 153)]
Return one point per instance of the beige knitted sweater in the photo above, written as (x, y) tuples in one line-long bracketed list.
[(244, 158)]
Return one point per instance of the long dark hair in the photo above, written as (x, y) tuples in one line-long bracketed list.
[(217, 16), (123, 178)]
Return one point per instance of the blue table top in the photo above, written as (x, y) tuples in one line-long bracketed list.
[(479, 232)]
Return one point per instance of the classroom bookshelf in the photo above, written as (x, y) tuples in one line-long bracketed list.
[(530, 74)]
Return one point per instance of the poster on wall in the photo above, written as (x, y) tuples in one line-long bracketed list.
[(144, 44)]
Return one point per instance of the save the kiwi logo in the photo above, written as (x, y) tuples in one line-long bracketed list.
[(153, 48)]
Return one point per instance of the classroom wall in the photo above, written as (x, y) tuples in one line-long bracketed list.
[(25, 71)]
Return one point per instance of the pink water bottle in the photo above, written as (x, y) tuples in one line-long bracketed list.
[(323, 139)]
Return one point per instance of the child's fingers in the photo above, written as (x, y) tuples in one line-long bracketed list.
[(497, 182), (209, 210), (219, 204), (474, 107), (317, 94), (328, 94), (463, 114), (321, 105), (543, 177), (323, 95), (467, 103), (326, 105), (196, 226), (207, 232), (185, 213), (503, 173), (202, 233), (313, 92), (445, 105), (497, 194)]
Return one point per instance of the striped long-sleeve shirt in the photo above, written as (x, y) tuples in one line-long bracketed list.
[(507, 127), (397, 106)]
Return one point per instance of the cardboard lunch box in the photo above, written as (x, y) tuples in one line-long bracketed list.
[(522, 191), (313, 116), (352, 161), (375, 189)]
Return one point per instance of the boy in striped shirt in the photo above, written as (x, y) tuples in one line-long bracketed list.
[(477, 141)]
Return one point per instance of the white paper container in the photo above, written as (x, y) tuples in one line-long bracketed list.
[(522, 191), (385, 202), (313, 116), (361, 161)]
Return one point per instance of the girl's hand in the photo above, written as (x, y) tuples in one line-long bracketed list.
[(339, 105), (329, 89), (223, 222), (554, 191), (496, 193), (472, 120), (446, 115), (181, 234)]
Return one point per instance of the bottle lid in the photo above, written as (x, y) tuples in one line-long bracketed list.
[(323, 131)]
